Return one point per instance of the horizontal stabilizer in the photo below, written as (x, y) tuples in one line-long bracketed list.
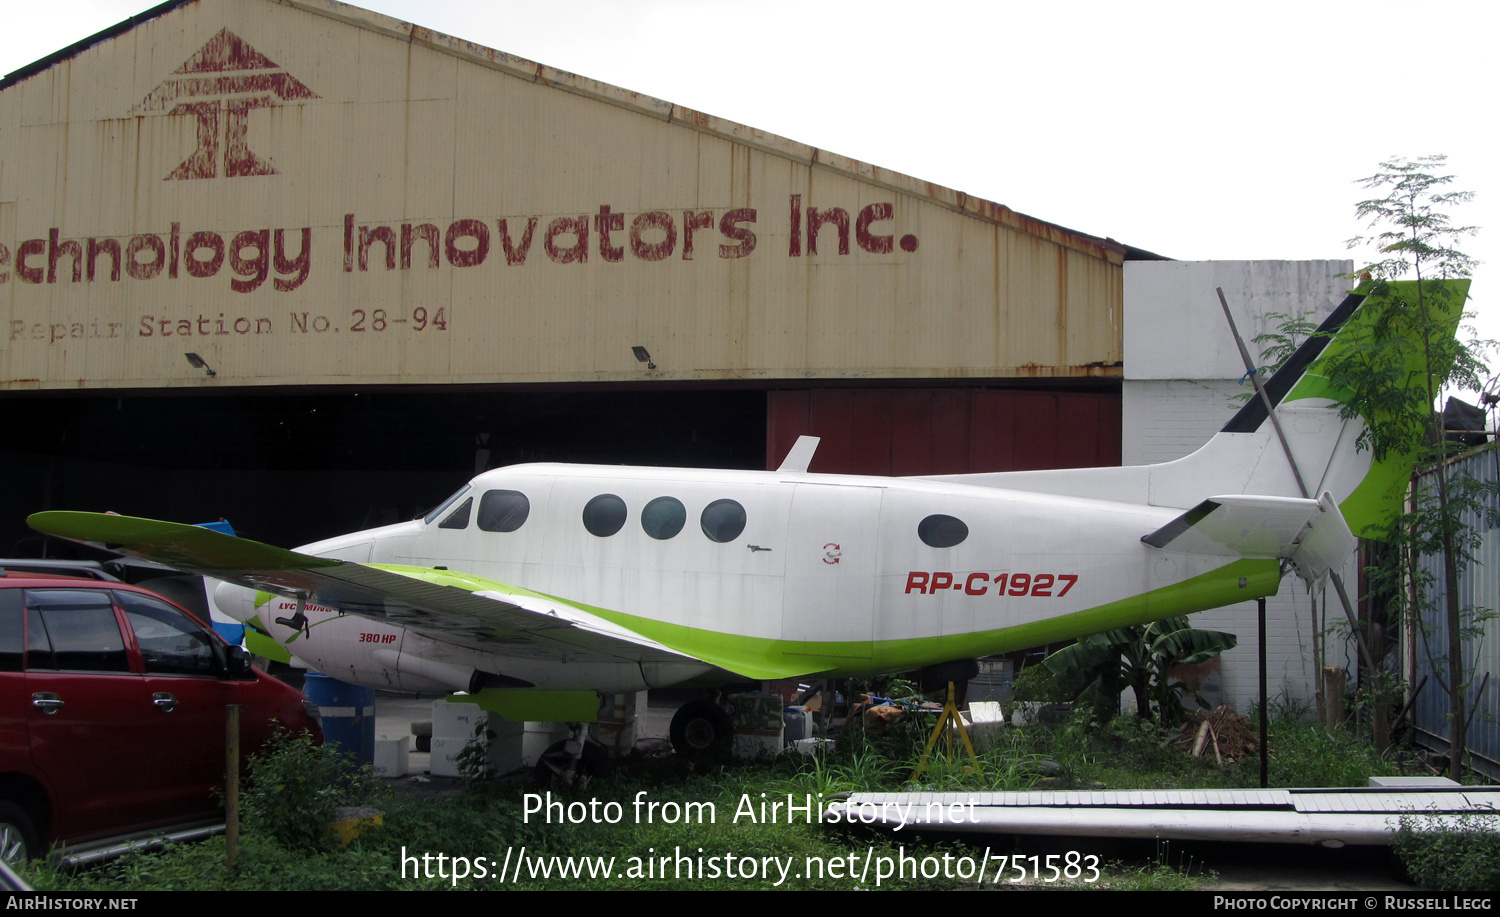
[(1327, 544), (1311, 534)]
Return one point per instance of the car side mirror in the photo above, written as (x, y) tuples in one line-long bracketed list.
[(237, 662)]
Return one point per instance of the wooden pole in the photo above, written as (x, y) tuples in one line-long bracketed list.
[(231, 785)]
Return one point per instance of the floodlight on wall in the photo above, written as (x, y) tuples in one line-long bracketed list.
[(642, 355), (198, 362)]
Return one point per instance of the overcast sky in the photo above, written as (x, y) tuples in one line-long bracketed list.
[(1194, 130)]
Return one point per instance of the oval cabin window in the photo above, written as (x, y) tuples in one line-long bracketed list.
[(723, 520), (941, 531), (663, 518), (604, 515)]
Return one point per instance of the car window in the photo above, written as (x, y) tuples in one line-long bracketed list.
[(12, 630), (73, 630), (171, 643)]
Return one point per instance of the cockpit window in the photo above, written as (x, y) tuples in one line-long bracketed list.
[(459, 518), (445, 504), (723, 520), (503, 510), (604, 515), (939, 531), (663, 518)]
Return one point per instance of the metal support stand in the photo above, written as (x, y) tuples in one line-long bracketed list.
[(1265, 753), (948, 717)]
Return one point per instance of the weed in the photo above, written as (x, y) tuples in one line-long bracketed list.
[(295, 786), (1151, 877), (1159, 875), (1451, 852), (474, 762), (1036, 683), (1306, 755)]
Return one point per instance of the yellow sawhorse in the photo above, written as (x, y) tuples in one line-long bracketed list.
[(947, 717)]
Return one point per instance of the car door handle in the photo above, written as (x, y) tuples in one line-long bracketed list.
[(47, 702), (164, 700)]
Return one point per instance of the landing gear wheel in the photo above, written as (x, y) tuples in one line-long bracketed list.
[(18, 838), (701, 729), (553, 764)]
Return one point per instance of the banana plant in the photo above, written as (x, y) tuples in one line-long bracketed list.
[(1099, 667)]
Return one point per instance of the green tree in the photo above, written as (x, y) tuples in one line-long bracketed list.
[(1416, 240)]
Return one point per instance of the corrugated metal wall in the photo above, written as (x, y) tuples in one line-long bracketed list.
[(1480, 588), (945, 431)]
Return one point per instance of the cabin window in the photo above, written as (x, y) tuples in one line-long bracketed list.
[(503, 510), (941, 531), (604, 515), (430, 517), (663, 517), (459, 518), (723, 520)]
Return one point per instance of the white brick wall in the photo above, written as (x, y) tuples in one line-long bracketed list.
[(1174, 327)]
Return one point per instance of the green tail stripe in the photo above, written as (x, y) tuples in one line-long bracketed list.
[(1378, 498), (760, 658)]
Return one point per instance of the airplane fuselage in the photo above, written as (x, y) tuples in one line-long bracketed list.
[(764, 572)]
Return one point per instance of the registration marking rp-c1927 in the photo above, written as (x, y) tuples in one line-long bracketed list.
[(1038, 585)]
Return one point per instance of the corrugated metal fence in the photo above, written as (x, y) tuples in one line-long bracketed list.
[(1480, 585)]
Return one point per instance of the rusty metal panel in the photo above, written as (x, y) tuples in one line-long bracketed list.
[(303, 192), (918, 431)]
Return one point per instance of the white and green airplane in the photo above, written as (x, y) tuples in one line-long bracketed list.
[(538, 587)]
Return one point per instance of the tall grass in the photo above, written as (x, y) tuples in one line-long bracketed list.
[(490, 822)]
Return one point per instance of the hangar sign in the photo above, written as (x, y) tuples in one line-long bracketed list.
[(312, 178)]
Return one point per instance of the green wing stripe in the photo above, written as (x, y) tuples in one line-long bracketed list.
[(184, 547)]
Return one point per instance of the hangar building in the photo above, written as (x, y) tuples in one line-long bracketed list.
[(401, 253), (309, 267)]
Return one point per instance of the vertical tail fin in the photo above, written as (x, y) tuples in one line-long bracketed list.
[(1327, 427)]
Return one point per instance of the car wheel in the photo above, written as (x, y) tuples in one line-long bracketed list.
[(701, 729), (18, 839)]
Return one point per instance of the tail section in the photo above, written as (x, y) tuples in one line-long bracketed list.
[(1325, 431)]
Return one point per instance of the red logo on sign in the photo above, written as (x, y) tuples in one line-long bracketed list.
[(223, 82)]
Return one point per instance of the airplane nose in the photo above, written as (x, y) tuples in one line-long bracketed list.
[(235, 600)]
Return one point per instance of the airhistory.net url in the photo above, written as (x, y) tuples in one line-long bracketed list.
[(870, 867)]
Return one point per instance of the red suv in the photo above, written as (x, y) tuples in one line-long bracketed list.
[(112, 712)]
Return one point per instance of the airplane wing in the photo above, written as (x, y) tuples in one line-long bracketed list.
[(1312, 534), (456, 607)]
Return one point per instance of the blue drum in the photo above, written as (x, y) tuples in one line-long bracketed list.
[(348, 715)]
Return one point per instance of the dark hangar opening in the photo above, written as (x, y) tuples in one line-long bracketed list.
[(292, 468)]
